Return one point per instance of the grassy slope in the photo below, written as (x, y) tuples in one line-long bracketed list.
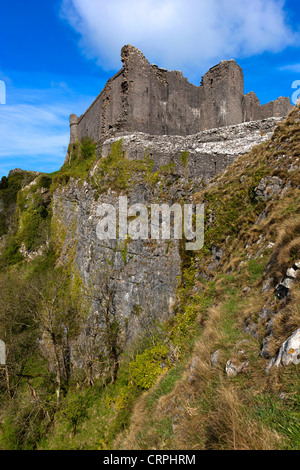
[(200, 407)]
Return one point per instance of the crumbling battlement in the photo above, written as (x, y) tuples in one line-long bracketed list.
[(145, 98)]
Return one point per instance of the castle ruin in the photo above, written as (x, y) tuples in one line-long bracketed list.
[(145, 98)]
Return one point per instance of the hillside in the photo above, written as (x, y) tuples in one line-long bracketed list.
[(139, 344)]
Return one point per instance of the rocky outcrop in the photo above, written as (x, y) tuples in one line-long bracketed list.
[(283, 288), (289, 353), (198, 156), (267, 188), (133, 282), (142, 276), (233, 369)]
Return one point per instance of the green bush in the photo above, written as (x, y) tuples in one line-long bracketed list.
[(11, 255), (81, 157), (23, 428), (75, 411), (87, 148), (147, 366), (44, 181), (34, 226)]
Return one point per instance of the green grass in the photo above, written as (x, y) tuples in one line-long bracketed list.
[(256, 268), (282, 412), (230, 310), (82, 155), (184, 156), (165, 385)]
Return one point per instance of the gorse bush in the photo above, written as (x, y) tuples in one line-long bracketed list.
[(147, 366)]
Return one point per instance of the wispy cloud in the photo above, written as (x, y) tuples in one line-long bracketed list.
[(32, 130), (34, 127), (291, 68), (179, 34)]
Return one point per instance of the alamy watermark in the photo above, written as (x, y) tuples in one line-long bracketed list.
[(296, 94), (156, 222), (2, 92)]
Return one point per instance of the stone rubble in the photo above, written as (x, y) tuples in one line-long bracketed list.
[(283, 288)]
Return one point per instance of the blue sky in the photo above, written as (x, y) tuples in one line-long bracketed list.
[(56, 56)]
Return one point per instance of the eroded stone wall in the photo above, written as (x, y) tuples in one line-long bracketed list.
[(145, 98)]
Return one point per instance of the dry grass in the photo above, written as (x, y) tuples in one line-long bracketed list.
[(131, 439), (206, 409), (285, 322), (230, 428), (287, 248), (213, 416)]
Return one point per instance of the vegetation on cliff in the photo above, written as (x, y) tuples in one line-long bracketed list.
[(200, 380)]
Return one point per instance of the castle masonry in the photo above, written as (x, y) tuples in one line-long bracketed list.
[(145, 98), (73, 128)]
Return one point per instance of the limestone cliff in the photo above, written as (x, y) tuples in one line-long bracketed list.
[(142, 276)]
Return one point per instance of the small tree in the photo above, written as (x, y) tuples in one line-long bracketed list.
[(17, 328), (57, 317)]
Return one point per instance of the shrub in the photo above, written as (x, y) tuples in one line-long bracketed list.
[(147, 366), (184, 158), (44, 181), (11, 254), (75, 411)]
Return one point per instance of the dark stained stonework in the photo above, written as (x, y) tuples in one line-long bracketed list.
[(145, 98)]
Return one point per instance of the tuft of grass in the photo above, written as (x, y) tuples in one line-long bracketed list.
[(184, 156), (82, 155), (287, 247)]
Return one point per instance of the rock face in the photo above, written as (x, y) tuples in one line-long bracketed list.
[(136, 280), (145, 98), (282, 289), (201, 155), (141, 276)]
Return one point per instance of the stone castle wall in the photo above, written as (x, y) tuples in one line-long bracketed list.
[(145, 98)]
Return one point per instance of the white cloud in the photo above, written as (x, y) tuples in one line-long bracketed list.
[(34, 127), (179, 34)]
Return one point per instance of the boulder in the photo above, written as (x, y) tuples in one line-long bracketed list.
[(233, 369), (267, 188), (289, 353), (214, 358)]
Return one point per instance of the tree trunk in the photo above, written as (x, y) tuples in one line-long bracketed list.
[(8, 382)]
